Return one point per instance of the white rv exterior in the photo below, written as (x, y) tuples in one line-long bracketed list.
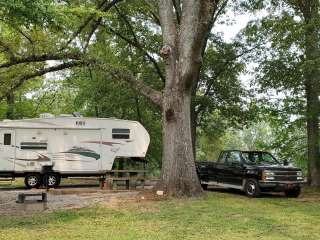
[(67, 146)]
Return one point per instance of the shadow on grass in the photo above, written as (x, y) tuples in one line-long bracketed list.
[(235, 192)]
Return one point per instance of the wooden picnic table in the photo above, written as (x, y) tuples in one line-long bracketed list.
[(129, 176)]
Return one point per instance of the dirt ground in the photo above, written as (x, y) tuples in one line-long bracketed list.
[(60, 199), (71, 194)]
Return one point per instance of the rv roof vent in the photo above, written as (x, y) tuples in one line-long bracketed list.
[(46, 115)]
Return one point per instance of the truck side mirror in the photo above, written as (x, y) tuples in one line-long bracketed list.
[(285, 162)]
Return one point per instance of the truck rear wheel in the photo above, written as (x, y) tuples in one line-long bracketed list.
[(293, 193), (32, 180), (51, 180), (252, 188)]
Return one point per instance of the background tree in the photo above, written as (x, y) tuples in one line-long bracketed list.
[(288, 63)]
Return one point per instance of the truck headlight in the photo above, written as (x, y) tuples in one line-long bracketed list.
[(268, 173), (299, 173), (269, 178)]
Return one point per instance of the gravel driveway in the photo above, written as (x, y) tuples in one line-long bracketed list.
[(59, 199)]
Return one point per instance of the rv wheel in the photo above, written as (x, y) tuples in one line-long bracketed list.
[(51, 180), (32, 181)]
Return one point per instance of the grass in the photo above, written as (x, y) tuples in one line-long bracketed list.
[(217, 216)]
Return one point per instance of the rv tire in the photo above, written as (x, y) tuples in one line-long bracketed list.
[(32, 180), (51, 180)]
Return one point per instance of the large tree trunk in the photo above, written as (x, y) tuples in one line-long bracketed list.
[(313, 136), (10, 106), (184, 38), (310, 9), (178, 175)]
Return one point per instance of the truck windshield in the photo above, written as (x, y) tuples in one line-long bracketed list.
[(260, 158)]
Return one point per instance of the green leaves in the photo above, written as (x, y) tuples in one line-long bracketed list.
[(27, 12)]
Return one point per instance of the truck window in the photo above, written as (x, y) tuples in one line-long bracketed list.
[(267, 158), (7, 139), (223, 157), (234, 158), (120, 133)]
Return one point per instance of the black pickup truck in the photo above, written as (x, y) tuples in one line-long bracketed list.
[(252, 172)]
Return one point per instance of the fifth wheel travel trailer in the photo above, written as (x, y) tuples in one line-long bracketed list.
[(66, 146)]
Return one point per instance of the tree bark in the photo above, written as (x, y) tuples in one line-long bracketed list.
[(10, 106), (313, 136), (178, 174), (310, 10), (184, 41)]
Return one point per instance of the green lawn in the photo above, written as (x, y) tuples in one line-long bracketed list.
[(217, 216)]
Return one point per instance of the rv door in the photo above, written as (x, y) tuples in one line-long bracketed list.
[(7, 150)]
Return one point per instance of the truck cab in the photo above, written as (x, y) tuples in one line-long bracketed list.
[(252, 172)]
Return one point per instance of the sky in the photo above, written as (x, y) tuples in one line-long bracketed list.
[(238, 22)]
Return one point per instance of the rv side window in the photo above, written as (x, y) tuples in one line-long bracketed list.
[(7, 139), (33, 145), (121, 133)]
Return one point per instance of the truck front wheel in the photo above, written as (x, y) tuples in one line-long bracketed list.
[(251, 188), (293, 193)]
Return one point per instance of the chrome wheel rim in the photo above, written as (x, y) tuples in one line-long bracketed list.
[(52, 180), (251, 188), (32, 181)]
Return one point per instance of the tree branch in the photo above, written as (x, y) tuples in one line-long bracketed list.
[(94, 27), (169, 51), (177, 7), (153, 95), (23, 34), (139, 47), (217, 12), (194, 30), (217, 74), (103, 7), (23, 79), (167, 22), (153, 14), (39, 58), (7, 49)]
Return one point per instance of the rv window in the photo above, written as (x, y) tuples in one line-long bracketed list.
[(7, 139), (33, 145), (121, 133)]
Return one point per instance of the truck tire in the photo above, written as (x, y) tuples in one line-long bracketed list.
[(252, 188), (293, 193), (32, 180), (51, 180)]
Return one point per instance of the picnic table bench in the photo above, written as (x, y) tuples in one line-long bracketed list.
[(22, 197), (130, 177)]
